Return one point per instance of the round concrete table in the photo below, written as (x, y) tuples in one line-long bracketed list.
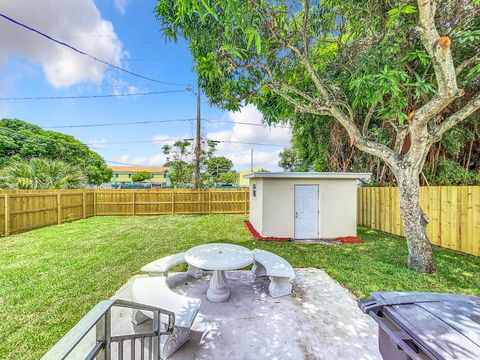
[(219, 258)]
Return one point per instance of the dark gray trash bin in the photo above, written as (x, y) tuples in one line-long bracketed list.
[(414, 325)]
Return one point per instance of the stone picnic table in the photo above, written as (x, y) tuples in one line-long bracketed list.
[(219, 257)]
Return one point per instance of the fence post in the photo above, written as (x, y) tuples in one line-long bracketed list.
[(209, 201), (7, 215), (59, 208), (133, 202), (247, 193), (84, 204), (95, 202), (173, 201)]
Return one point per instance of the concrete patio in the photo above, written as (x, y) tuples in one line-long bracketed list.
[(319, 321)]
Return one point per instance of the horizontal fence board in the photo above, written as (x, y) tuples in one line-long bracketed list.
[(453, 213), (23, 210)]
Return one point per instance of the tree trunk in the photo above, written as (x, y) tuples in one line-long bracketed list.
[(414, 222)]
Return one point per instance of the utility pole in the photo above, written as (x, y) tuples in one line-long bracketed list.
[(198, 147), (251, 160)]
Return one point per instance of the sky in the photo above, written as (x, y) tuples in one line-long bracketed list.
[(124, 33)]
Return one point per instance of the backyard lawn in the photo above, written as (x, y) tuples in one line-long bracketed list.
[(49, 278)]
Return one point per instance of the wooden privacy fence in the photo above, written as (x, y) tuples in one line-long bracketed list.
[(26, 210), (453, 212)]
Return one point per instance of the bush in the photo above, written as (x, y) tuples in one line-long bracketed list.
[(39, 173), (141, 176), (450, 172)]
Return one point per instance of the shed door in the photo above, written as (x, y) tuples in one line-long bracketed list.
[(306, 212)]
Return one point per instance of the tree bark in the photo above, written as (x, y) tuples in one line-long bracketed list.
[(414, 222)]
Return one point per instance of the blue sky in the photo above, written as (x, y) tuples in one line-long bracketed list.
[(126, 33)]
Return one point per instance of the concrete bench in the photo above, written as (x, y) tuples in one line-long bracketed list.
[(277, 269), (154, 291), (161, 266)]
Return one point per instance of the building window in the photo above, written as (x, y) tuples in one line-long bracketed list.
[(129, 175), (254, 190)]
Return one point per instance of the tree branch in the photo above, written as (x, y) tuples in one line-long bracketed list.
[(282, 83), (329, 105), (311, 108), (370, 113), (306, 8), (439, 50), (401, 134), (467, 63), (472, 106), (321, 87), (371, 147)]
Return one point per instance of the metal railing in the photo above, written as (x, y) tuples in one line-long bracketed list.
[(100, 318)]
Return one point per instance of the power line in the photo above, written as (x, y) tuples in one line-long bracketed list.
[(246, 123), (151, 59), (122, 163), (179, 139), (147, 141), (91, 96), (103, 35), (191, 139), (86, 54), (119, 123), (246, 143), (154, 122)]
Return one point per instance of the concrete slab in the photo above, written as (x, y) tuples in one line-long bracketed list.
[(319, 321)]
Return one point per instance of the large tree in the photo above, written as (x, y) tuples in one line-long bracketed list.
[(179, 161), (410, 66), (216, 167), (290, 160), (20, 140)]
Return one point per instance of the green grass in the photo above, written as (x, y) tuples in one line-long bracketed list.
[(51, 277)]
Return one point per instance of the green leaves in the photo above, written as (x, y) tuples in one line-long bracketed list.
[(252, 35), (398, 12), (209, 9), (258, 43), (417, 54), (421, 86), (467, 36)]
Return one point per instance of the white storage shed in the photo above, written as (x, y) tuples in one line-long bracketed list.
[(309, 205)]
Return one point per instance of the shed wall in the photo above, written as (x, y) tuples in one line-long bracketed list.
[(337, 207), (256, 205)]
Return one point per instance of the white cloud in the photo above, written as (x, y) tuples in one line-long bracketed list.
[(121, 5), (154, 160), (157, 160), (123, 158), (122, 87), (263, 159), (139, 160), (97, 143), (165, 139), (78, 23), (240, 153)]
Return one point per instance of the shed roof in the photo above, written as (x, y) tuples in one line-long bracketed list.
[(310, 175)]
